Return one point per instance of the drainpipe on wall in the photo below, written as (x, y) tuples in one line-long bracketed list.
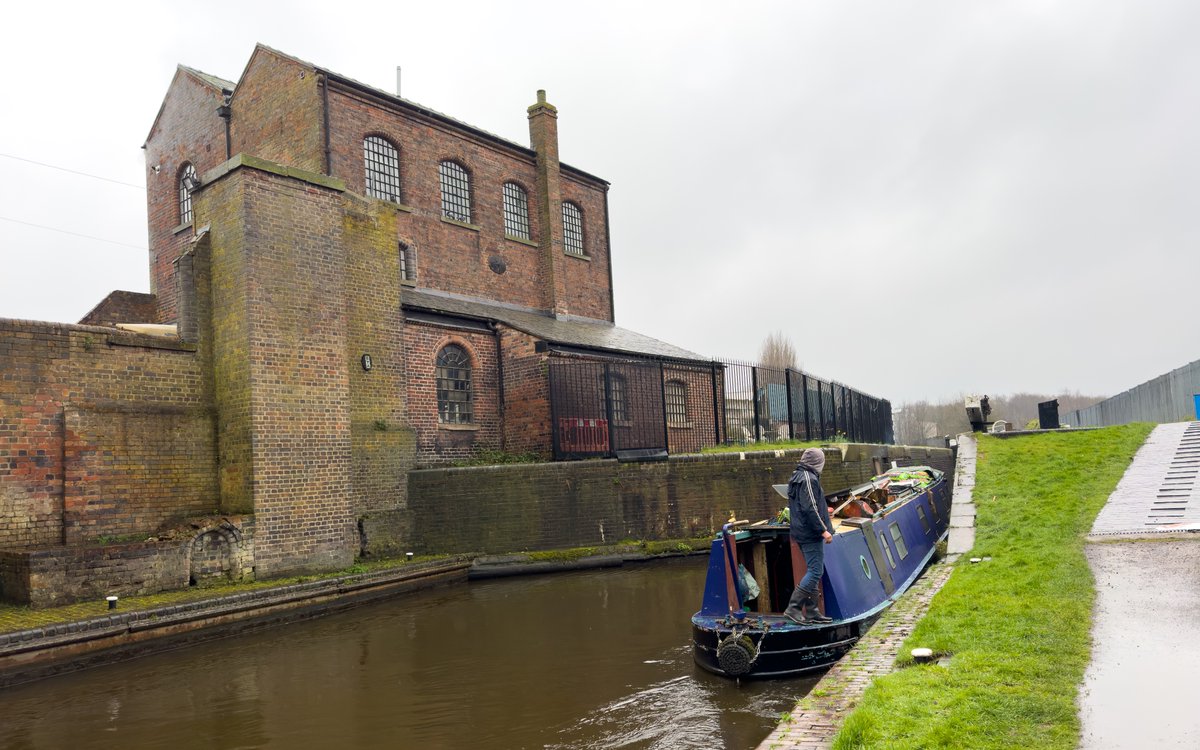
[(323, 82), (225, 112), (500, 383)]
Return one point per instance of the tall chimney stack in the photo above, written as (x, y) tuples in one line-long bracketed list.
[(543, 139)]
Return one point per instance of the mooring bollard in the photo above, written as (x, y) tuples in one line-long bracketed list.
[(922, 655), (112, 601)]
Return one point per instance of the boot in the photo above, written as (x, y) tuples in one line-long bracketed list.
[(797, 610), (812, 611)]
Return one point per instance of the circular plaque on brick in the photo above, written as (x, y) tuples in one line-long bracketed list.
[(497, 264)]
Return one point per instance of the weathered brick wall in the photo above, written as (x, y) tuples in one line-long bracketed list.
[(382, 443), (123, 307), (461, 259), (561, 505), (102, 433), (215, 549), (437, 442), (188, 130), (283, 359), (526, 394), (276, 112)]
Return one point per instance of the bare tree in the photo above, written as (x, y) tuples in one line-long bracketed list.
[(777, 352)]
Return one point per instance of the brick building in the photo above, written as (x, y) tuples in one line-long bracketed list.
[(344, 284), (503, 250)]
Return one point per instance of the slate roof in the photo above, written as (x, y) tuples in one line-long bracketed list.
[(211, 80), (586, 333)]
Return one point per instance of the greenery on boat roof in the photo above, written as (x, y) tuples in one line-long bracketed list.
[(1016, 627)]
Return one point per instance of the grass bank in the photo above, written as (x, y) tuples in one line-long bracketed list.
[(1015, 627)]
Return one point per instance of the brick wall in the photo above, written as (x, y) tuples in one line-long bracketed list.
[(209, 550), (276, 112), (462, 259), (282, 360), (187, 130), (102, 433), (527, 427), (562, 505), (382, 443), (437, 442), (123, 307)]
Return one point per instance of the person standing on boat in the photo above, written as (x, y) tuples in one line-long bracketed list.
[(811, 530)]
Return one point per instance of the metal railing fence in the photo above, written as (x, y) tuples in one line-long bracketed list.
[(605, 408), (1167, 398)]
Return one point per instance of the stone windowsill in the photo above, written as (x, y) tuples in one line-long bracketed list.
[(679, 425), (463, 224), (398, 206), (458, 427), (522, 240), (577, 256), (181, 228)]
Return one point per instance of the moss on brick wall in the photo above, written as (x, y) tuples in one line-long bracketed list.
[(560, 505)]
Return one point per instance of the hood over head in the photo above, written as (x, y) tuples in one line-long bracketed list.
[(813, 459)]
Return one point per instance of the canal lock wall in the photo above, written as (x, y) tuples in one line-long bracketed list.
[(529, 507)]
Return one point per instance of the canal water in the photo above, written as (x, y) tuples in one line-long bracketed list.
[(590, 659)]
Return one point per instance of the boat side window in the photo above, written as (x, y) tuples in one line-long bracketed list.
[(862, 560), (898, 538), (887, 549), (924, 520)]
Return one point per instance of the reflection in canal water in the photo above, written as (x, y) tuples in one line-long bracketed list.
[(596, 659)]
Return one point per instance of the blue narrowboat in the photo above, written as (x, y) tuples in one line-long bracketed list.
[(885, 533)]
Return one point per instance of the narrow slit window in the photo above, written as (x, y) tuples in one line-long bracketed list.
[(572, 229), (456, 191), (381, 161), (898, 538), (924, 519), (408, 263), (516, 211)]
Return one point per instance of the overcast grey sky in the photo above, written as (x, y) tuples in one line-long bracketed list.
[(927, 198)]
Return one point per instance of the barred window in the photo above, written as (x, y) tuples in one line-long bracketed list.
[(618, 392), (454, 386), (516, 211), (572, 228), (676, 398), (381, 162), (185, 194), (408, 263), (456, 191)]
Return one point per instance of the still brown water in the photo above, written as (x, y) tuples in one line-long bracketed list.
[(595, 659)]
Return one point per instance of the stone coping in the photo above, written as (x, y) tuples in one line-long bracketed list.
[(64, 633)]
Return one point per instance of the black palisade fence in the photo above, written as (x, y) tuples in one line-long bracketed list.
[(649, 408)]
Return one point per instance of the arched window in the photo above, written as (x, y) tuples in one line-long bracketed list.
[(456, 191), (187, 179), (454, 385), (619, 394), (572, 228), (516, 211), (675, 392), (381, 162)]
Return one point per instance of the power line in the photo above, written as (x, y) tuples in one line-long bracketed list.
[(74, 234), (72, 171)]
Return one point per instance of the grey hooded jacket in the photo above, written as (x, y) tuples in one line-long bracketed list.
[(806, 499)]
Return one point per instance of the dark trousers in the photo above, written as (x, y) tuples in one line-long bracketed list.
[(814, 560)]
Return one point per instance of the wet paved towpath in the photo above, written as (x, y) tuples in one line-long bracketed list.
[(591, 659), (1139, 689)]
